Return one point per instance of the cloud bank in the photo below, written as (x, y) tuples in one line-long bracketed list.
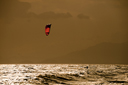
[(82, 16)]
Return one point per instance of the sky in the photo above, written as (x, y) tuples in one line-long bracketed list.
[(76, 25)]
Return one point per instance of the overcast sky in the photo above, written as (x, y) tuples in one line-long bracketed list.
[(76, 25)]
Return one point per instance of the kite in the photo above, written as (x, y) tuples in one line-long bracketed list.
[(47, 29)]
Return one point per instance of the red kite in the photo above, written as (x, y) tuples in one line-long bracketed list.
[(47, 29)]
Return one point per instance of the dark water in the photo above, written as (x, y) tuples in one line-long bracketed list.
[(69, 74)]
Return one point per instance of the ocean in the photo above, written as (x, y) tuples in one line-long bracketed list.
[(63, 74)]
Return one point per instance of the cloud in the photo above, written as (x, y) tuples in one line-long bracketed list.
[(31, 15), (13, 8), (52, 15), (82, 16)]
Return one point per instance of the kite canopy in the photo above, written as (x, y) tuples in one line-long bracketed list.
[(47, 29)]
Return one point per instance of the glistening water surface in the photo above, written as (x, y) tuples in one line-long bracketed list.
[(69, 74)]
